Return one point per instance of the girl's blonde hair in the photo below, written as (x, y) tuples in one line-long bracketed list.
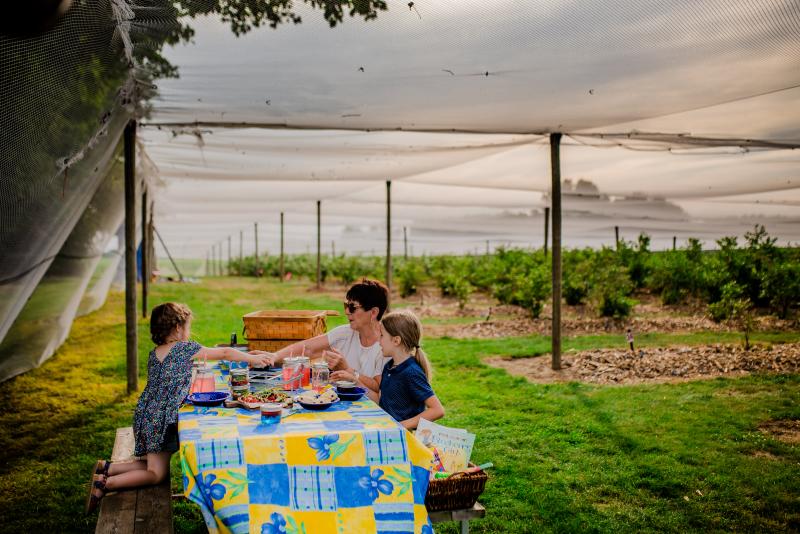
[(406, 325)]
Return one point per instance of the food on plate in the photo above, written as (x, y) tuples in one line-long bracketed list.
[(326, 396), (254, 400)]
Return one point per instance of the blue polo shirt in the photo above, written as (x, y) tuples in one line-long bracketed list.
[(404, 389)]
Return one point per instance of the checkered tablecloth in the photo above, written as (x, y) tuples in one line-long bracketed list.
[(350, 468)]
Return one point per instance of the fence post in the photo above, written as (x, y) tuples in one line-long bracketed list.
[(282, 270), (389, 234), (131, 341), (319, 246), (257, 262), (555, 169)]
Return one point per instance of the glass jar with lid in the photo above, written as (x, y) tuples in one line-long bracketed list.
[(292, 373), (320, 376)]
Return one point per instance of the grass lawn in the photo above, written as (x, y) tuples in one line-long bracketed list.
[(568, 457)]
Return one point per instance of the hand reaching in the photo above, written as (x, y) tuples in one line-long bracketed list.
[(343, 375), (336, 360), (258, 358)]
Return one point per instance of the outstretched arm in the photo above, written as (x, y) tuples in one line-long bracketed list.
[(263, 359), (314, 348)]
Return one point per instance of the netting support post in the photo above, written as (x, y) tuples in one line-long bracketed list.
[(281, 261), (319, 245), (389, 234), (145, 251), (255, 225), (555, 199), (546, 227), (219, 259), (131, 348)]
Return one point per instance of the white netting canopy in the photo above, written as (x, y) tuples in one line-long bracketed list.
[(678, 115), (679, 119)]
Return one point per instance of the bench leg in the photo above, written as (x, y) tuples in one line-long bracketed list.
[(465, 526)]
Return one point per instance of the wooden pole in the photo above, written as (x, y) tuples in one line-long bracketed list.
[(389, 234), (145, 250), (405, 243), (487, 247), (555, 169), (282, 270), (131, 342), (219, 259), (319, 246), (256, 238), (674, 242), (616, 237), (546, 223)]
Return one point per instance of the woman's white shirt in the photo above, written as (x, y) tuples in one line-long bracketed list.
[(368, 361)]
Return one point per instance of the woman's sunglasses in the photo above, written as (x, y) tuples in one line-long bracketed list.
[(351, 307)]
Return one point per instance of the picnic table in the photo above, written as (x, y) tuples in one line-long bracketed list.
[(350, 468)]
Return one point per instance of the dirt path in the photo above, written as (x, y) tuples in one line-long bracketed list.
[(656, 365)]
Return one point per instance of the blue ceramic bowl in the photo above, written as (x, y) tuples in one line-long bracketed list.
[(350, 394), (211, 398), (317, 407)]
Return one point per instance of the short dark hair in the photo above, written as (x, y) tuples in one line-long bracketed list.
[(165, 317), (370, 294)]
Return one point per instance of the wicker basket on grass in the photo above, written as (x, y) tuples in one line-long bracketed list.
[(457, 492)]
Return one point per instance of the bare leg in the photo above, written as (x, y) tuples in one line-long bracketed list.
[(156, 471), (117, 468)]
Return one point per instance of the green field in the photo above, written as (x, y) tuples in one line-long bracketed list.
[(568, 457)]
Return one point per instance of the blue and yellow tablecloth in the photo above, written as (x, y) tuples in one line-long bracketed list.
[(351, 468)]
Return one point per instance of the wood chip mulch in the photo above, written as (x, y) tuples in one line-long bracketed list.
[(657, 364)]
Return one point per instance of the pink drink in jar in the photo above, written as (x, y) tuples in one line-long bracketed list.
[(305, 364), (292, 374)]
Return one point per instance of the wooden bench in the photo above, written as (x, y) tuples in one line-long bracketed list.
[(476, 512), (146, 510)]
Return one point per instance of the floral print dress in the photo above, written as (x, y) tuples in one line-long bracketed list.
[(168, 383)]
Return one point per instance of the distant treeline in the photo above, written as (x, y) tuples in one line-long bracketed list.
[(754, 274)]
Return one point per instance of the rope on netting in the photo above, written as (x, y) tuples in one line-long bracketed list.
[(123, 15)]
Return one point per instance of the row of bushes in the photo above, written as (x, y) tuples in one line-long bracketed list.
[(756, 273)]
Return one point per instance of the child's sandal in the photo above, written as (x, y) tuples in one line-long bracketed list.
[(101, 467), (92, 500)]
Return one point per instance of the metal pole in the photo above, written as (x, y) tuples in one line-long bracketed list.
[(174, 265), (319, 246), (546, 223), (405, 243), (389, 234), (256, 228), (555, 166), (282, 273), (145, 250), (131, 345)]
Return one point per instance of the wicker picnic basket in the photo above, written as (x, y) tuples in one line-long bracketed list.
[(272, 330), (458, 491)]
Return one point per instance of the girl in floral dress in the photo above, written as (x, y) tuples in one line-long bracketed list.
[(155, 426)]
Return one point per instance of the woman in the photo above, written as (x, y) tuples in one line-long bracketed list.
[(352, 349)]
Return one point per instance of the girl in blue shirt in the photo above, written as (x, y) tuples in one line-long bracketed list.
[(405, 389)]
